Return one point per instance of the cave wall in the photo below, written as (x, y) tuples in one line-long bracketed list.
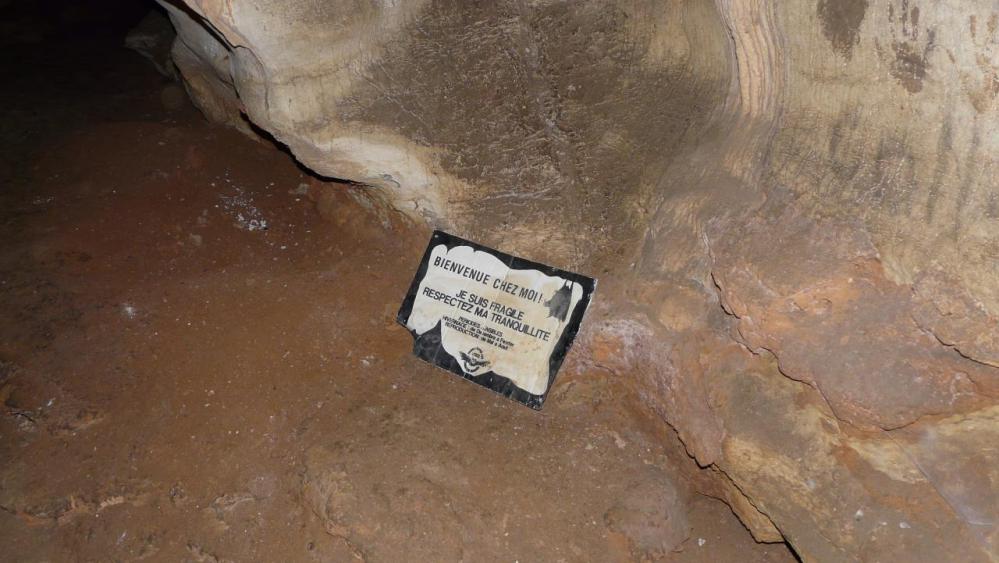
[(790, 206)]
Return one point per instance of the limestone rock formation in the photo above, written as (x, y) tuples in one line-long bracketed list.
[(791, 207)]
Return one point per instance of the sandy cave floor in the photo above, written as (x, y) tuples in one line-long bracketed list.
[(177, 384)]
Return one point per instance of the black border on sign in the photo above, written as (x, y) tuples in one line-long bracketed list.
[(492, 380)]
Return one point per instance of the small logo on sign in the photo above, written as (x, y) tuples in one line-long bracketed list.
[(473, 360)]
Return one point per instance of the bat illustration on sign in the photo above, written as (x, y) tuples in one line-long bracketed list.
[(558, 305)]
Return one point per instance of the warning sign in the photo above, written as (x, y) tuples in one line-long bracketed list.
[(500, 321)]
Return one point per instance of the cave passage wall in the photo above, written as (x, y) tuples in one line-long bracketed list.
[(791, 207)]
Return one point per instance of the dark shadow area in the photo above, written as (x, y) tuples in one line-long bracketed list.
[(267, 137)]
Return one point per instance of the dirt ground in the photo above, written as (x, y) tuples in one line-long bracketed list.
[(196, 364)]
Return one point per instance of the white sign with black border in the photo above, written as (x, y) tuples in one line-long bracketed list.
[(497, 320)]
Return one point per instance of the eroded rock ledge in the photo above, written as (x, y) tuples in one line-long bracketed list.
[(791, 207)]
